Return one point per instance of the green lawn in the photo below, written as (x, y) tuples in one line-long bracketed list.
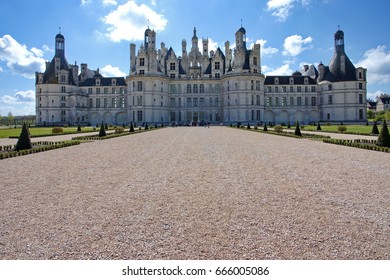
[(36, 131), (363, 129)]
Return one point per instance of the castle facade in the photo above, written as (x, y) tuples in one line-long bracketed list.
[(198, 86)]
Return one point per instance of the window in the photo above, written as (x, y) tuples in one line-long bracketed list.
[(306, 101), (139, 86), (328, 116), (360, 75), (201, 102), (189, 88), (217, 88), (172, 88), (90, 103), (139, 100), (276, 101), (63, 78), (269, 89), (89, 90), (299, 101), (122, 102), (105, 102), (113, 90), (63, 89), (360, 85), (284, 89), (329, 87), (217, 65), (97, 102), (122, 90), (269, 101), (139, 116), (195, 87), (217, 75), (276, 89), (257, 115), (360, 98), (105, 90), (255, 61), (257, 100), (291, 89), (172, 75), (361, 114), (257, 85), (201, 88), (173, 66), (284, 101), (97, 90), (217, 101), (313, 89), (189, 102), (291, 101), (313, 101), (141, 72), (299, 89), (330, 99), (306, 89), (142, 61), (172, 102), (252, 100), (195, 102)]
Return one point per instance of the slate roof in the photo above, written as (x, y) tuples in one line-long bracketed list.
[(104, 82), (285, 80)]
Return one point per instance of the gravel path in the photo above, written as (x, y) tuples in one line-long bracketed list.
[(196, 193)]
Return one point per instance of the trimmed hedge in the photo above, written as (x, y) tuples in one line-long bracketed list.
[(358, 143), (37, 148)]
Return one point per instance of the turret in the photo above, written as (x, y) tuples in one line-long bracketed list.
[(194, 42), (205, 46), (59, 45)]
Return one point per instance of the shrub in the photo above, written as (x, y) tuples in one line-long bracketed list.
[(79, 128), (256, 127), (265, 127), (131, 127), (384, 137), (119, 129), (342, 128), (374, 130), (57, 130), (278, 128), (146, 126), (297, 130), (24, 141), (102, 131), (318, 126)]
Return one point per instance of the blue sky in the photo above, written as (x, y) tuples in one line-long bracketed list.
[(98, 32)]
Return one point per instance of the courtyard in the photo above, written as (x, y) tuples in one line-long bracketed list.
[(196, 193)]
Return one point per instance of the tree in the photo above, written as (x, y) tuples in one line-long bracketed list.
[(318, 126), (374, 130), (24, 141), (297, 129), (131, 127), (102, 131), (10, 118), (384, 136)]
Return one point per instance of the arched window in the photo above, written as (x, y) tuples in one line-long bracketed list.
[(195, 88), (188, 88), (201, 88)]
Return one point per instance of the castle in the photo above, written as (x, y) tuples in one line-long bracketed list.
[(200, 86)]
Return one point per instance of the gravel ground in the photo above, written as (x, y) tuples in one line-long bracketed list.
[(196, 193)]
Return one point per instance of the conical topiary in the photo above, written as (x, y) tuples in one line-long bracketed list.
[(318, 126), (248, 126), (24, 141), (288, 124), (297, 129), (384, 136), (106, 126), (131, 127), (146, 126), (102, 131), (265, 127), (374, 130), (79, 128)]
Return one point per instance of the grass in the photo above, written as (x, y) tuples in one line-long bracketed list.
[(356, 129), (36, 131)]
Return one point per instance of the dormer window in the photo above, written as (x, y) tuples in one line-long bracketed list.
[(276, 81), (291, 81), (98, 82), (113, 82), (142, 61), (306, 80)]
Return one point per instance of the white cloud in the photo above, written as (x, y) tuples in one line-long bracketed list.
[(374, 95), (294, 45), (111, 71), (129, 21), (265, 50), (109, 2), (280, 8), (212, 45), (46, 48), (377, 62), (19, 59), (20, 97), (1, 70), (85, 2), (282, 70)]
